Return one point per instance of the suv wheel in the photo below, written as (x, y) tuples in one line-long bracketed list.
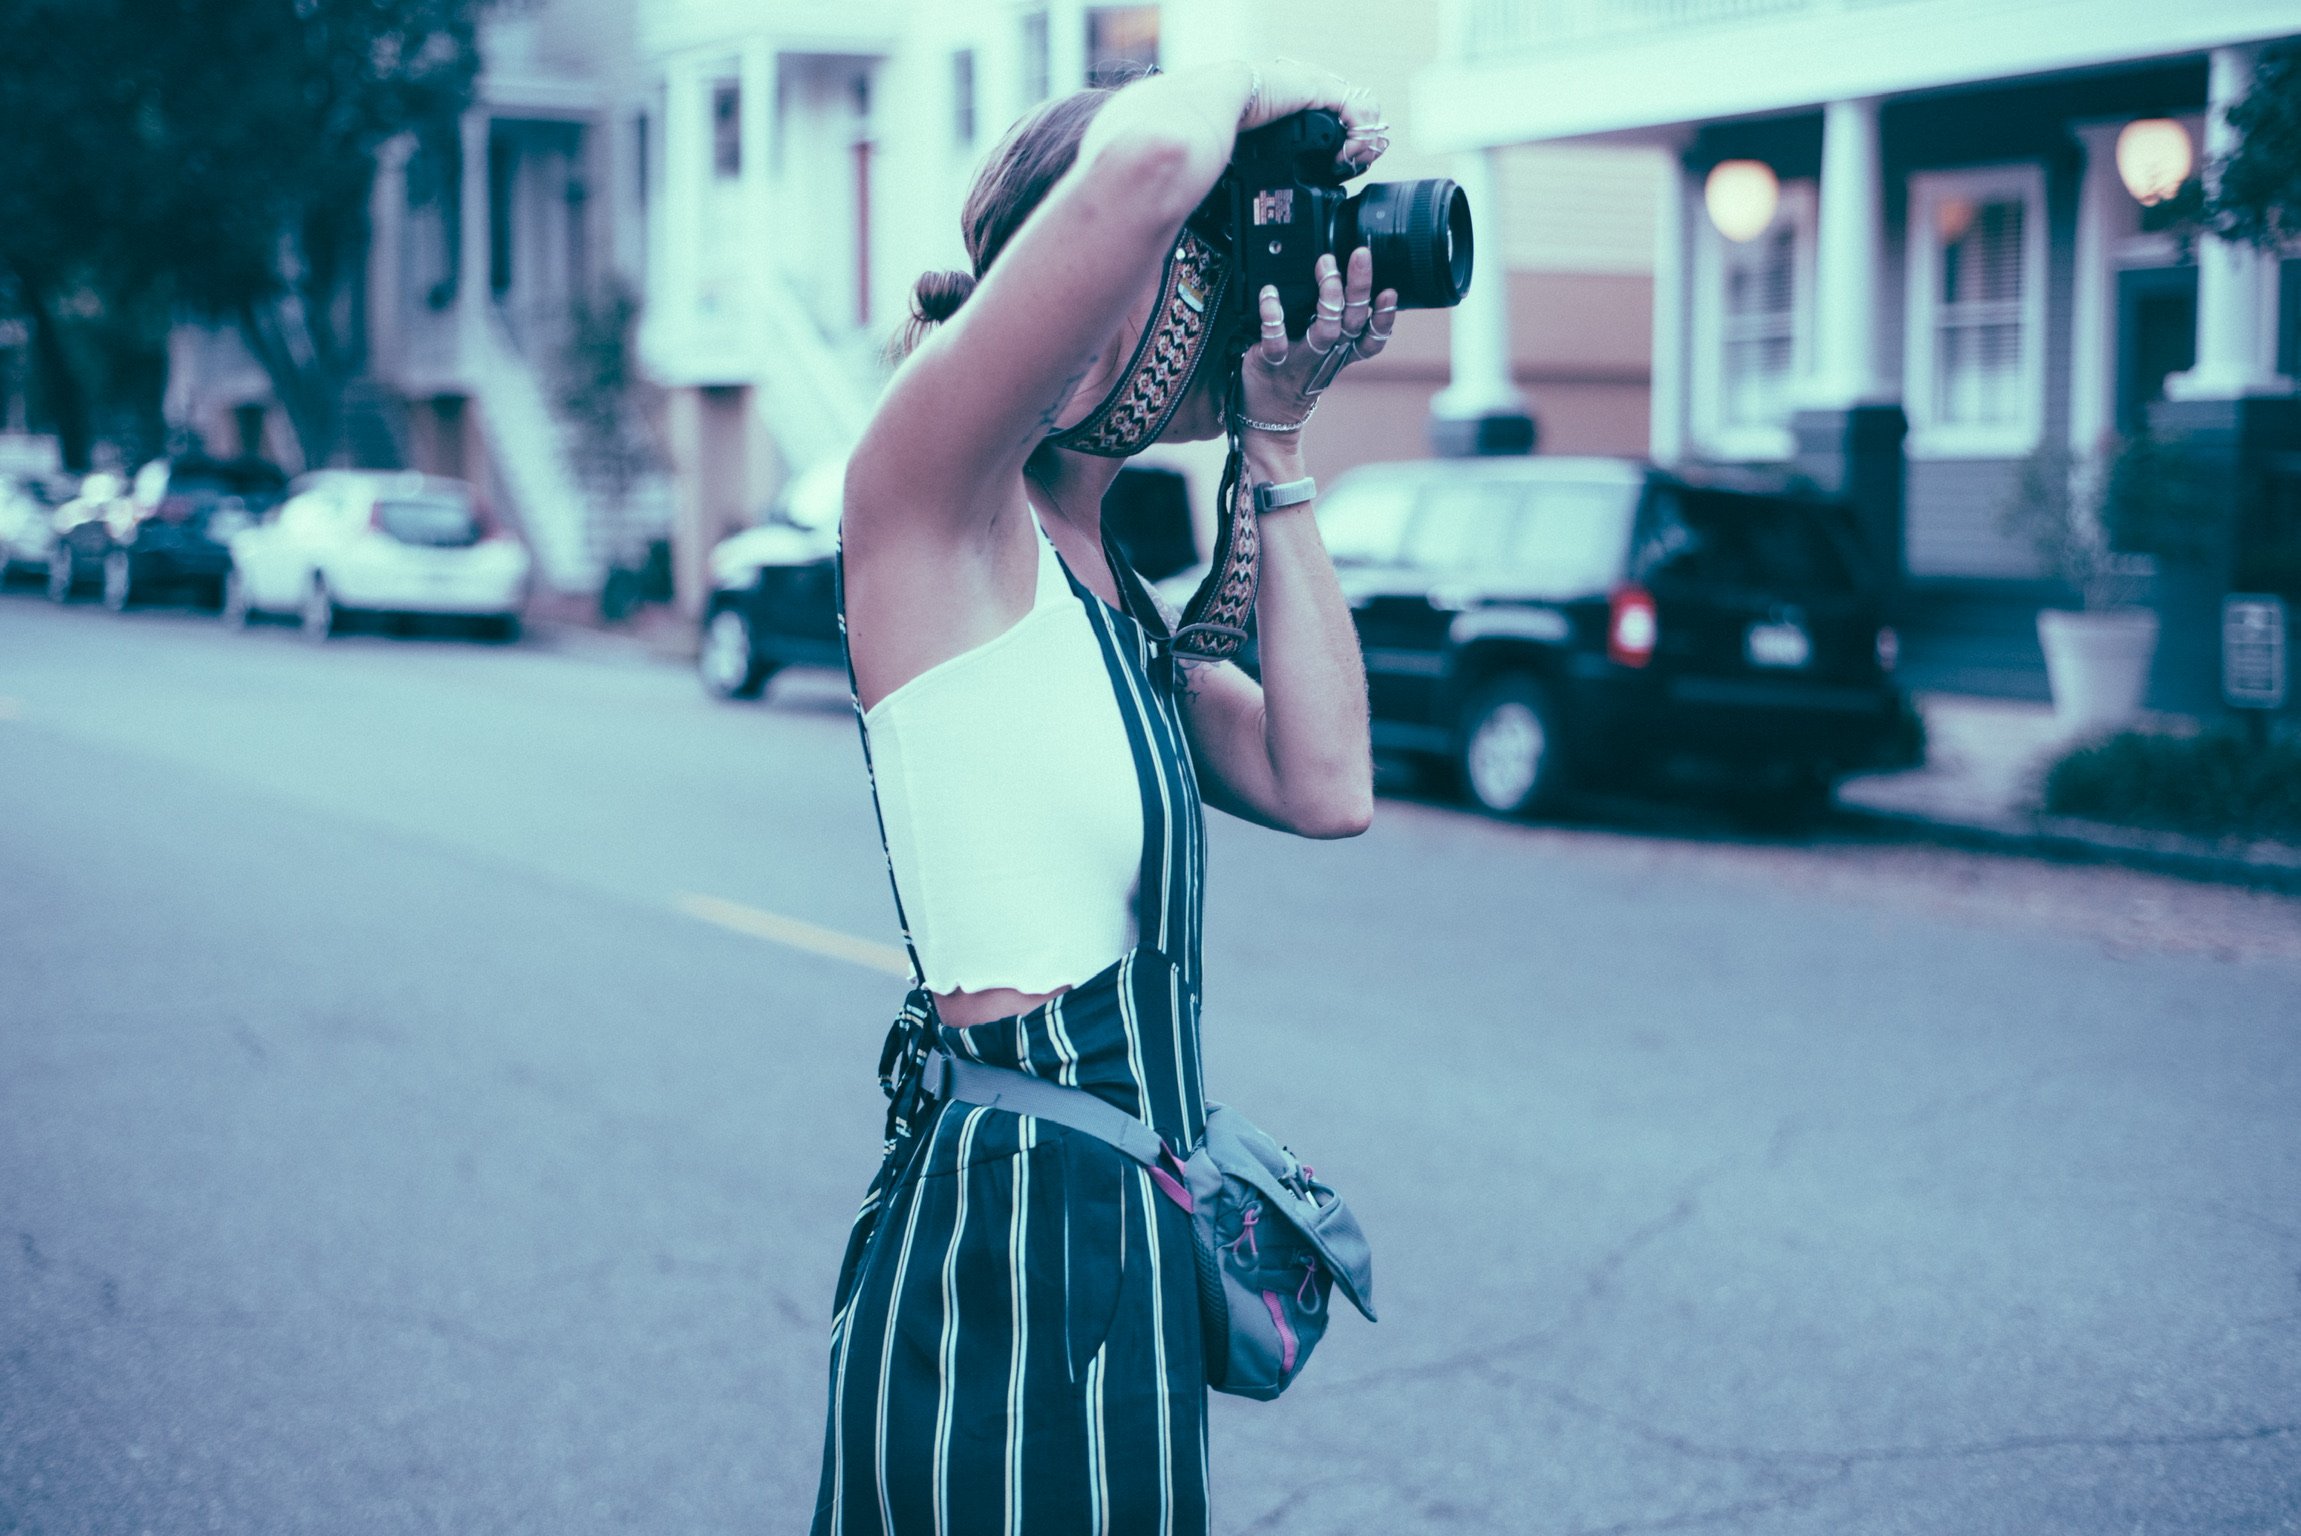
[(729, 667), (1508, 755), (119, 581), (235, 611), (320, 614), (61, 576)]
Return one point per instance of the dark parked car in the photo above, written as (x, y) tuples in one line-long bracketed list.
[(169, 535), (1537, 624), (773, 603)]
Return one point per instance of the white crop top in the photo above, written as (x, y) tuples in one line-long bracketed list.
[(1013, 818)]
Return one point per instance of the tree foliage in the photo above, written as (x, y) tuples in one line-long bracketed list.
[(2257, 194), (214, 156)]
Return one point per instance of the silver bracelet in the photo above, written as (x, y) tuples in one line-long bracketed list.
[(1275, 426)]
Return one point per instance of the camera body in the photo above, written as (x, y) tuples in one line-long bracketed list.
[(1282, 205)]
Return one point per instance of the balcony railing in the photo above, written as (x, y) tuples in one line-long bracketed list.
[(1498, 28)]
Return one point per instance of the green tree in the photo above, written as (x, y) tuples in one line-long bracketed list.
[(213, 157), (2257, 196)]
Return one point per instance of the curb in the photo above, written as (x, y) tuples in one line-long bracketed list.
[(2263, 865)]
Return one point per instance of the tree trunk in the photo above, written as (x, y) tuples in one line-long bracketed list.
[(61, 392), (307, 388)]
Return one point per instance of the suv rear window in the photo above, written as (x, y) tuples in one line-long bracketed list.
[(1567, 538), (439, 522), (1364, 520), (1724, 538), (1540, 538)]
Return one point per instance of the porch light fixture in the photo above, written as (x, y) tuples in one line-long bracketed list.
[(1742, 196), (2153, 159)]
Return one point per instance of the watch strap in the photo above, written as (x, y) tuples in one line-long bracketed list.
[(1270, 497)]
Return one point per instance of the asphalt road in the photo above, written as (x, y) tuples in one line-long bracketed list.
[(435, 1080)]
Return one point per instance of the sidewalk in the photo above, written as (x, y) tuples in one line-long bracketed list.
[(1981, 786)]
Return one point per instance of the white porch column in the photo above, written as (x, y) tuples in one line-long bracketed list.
[(1479, 384), (2104, 214), (471, 279), (757, 69), (1673, 275), (676, 217), (1849, 252), (1066, 46), (2236, 284), (387, 257)]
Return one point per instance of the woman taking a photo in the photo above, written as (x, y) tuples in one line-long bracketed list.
[(1016, 1345)]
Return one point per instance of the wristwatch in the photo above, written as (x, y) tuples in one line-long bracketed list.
[(1270, 497)]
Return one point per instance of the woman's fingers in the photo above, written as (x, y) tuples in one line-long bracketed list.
[(1358, 292), (1381, 319), (1273, 344), (1326, 323)]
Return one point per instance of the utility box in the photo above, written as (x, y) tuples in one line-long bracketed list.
[(2253, 651)]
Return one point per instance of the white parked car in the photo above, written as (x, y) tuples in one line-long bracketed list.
[(381, 542), (28, 523)]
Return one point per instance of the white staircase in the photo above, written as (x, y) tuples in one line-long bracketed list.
[(526, 448), (810, 397)]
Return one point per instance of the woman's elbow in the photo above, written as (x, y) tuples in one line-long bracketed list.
[(1159, 170), (1345, 811)]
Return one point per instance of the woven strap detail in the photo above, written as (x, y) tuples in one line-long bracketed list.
[(1167, 358)]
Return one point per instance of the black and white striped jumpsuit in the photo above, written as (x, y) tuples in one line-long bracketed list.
[(1015, 1346)]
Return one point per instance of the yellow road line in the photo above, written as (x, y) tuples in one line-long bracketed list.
[(794, 934)]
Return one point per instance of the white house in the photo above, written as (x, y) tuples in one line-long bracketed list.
[(768, 177), (1902, 217)]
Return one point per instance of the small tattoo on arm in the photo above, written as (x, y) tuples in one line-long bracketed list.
[(1048, 417)]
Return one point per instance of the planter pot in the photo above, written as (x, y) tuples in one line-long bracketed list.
[(2097, 663)]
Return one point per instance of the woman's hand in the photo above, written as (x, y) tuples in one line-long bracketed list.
[(1286, 86), (1282, 379)]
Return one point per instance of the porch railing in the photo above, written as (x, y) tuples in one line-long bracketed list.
[(1497, 28)]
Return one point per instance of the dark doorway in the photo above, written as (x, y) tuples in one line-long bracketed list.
[(2156, 336)]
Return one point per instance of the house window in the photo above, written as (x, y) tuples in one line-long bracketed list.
[(1122, 42), (1035, 60), (727, 129), (963, 97), (1753, 329), (1976, 372)]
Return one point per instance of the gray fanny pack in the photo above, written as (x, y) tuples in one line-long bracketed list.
[(1271, 1242)]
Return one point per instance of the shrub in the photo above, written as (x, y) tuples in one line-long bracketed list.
[(2220, 783)]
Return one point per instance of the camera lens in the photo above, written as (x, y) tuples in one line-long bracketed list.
[(1419, 232)]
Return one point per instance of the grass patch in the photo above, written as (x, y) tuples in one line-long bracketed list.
[(2219, 783)]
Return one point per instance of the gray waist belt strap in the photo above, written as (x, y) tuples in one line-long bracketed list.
[(972, 1082)]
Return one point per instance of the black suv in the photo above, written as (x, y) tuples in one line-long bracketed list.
[(773, 602), (170, 535), (1538, 624)]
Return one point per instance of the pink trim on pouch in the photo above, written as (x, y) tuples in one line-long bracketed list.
[(1285, 1334)]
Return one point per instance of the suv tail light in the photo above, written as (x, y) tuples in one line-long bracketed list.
[(1630, 627), (1889, 648)]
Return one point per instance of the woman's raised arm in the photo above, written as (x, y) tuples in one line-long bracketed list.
[(940, 456)]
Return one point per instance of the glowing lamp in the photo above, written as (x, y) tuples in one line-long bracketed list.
[(2153, 159), (1742, 196)]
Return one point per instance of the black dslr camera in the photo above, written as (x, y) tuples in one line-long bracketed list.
[(1281, 206)]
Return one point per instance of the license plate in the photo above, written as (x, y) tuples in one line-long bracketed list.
[(1779, 645)]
